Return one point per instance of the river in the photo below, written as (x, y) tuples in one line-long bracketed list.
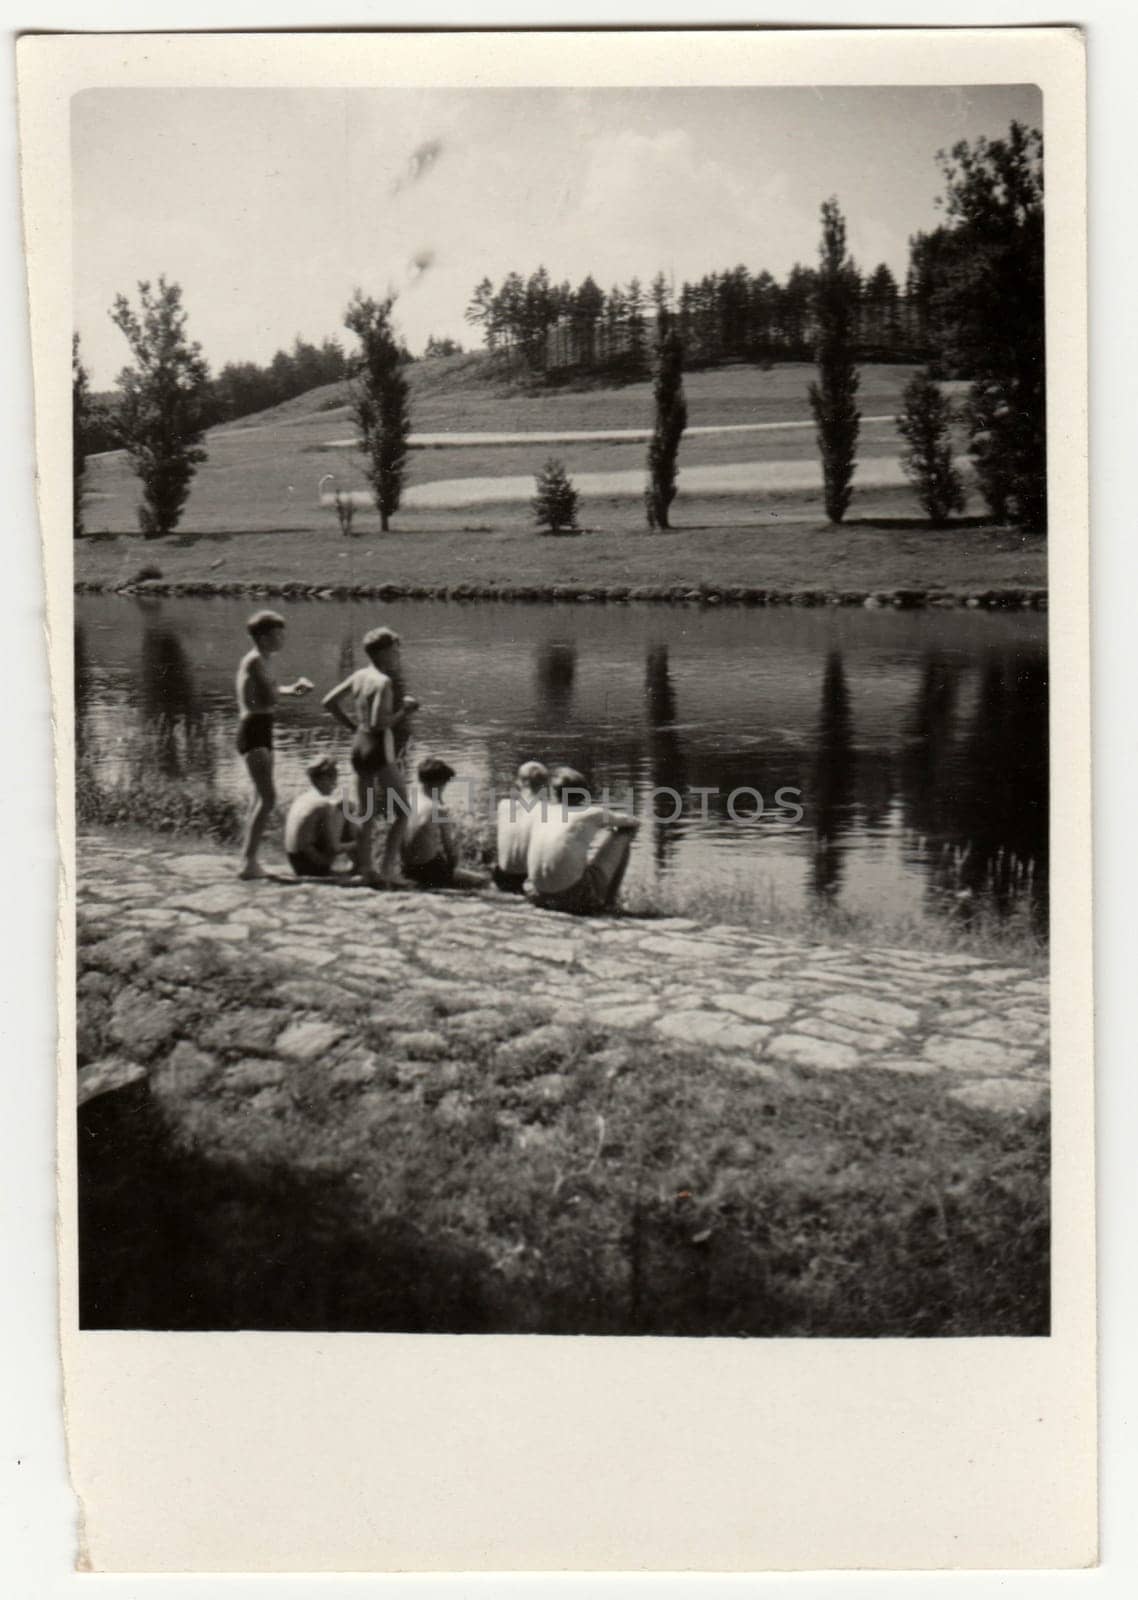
[(915, 742)]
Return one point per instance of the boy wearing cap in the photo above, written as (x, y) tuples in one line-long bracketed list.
[(257, 691), (515, 822), (373, 721), (563, 876), (430, 849), (316, 829)]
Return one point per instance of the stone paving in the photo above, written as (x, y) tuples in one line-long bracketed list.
[(767, 1004)]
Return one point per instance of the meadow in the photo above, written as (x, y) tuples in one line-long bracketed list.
[(254, 511)]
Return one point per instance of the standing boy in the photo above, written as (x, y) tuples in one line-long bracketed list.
[(257, 692), (373, 720)]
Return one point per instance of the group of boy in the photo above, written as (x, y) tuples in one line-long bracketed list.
[(546, 829)]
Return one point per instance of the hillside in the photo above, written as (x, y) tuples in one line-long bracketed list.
[(263, 470)]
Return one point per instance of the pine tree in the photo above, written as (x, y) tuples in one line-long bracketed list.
[(555, 501), (380, 401), (162, 414), (671, 420), (924, 425), (833, 397)]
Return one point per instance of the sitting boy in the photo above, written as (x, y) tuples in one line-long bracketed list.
[(515, 822), (562, 874), (316, 829), (430, 849)]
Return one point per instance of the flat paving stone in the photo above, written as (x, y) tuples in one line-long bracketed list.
[(803, 1050), (864, 1008), (756, 1007), (712, 1029), (106, 1076), (308, 1039), (627, 1016), (973, 1055)]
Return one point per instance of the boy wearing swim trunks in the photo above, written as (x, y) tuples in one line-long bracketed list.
[(257, 692), (373, 720)]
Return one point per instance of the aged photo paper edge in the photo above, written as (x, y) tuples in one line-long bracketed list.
[(601, 1418)]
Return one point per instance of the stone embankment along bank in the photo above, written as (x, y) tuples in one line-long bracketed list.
[(158, 929), (707, 594)]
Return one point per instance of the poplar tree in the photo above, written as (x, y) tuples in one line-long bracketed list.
[(833, 398), (671, 420)]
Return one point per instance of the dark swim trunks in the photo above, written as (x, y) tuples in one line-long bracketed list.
[(255, 732), (434, 874), (369, 753), (509, 882), (306, 866)]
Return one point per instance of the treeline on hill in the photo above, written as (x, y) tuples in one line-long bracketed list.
[(730, 315), (240, 388)]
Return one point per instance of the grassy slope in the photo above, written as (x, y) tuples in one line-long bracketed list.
[(253, 513)]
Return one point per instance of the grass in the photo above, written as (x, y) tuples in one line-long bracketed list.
[(253, 514), (574, 1182), (709, 545)]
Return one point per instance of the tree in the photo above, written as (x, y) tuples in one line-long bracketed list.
[(634, 304), (379, 401), (986, 414), (988, 300), (833, 397), (82, 417), (924, 425), (555, 501), (671, 420), (441, 346), (164, 399)]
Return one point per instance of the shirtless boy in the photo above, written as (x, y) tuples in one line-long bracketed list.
[(515, 823), (316, 829), (430, 848), (257, 692), (373, 720)]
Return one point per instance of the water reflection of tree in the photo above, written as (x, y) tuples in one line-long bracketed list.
[(555, 668), (929, 766), (177, 733), (999, 821), (665, 753), (832, 786)]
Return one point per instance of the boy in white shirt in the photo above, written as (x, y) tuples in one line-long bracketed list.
[(515, 822), (562, 875)]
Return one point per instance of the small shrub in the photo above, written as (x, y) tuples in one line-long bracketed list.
[(555, 501), (148, 570), (924, 425)]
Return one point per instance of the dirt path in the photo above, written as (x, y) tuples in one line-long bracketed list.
[(763, 1003)]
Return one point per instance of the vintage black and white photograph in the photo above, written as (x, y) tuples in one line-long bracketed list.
[(561, 710)]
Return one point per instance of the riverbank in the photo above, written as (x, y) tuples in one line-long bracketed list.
[(800, 562), (312, 1106), (159, 810)]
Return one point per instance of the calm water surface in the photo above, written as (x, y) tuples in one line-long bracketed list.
[(917, 740)]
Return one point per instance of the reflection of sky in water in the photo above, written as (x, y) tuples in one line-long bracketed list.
[(917, 739)]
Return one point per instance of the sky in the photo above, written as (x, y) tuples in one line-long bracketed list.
[(270, 207)]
